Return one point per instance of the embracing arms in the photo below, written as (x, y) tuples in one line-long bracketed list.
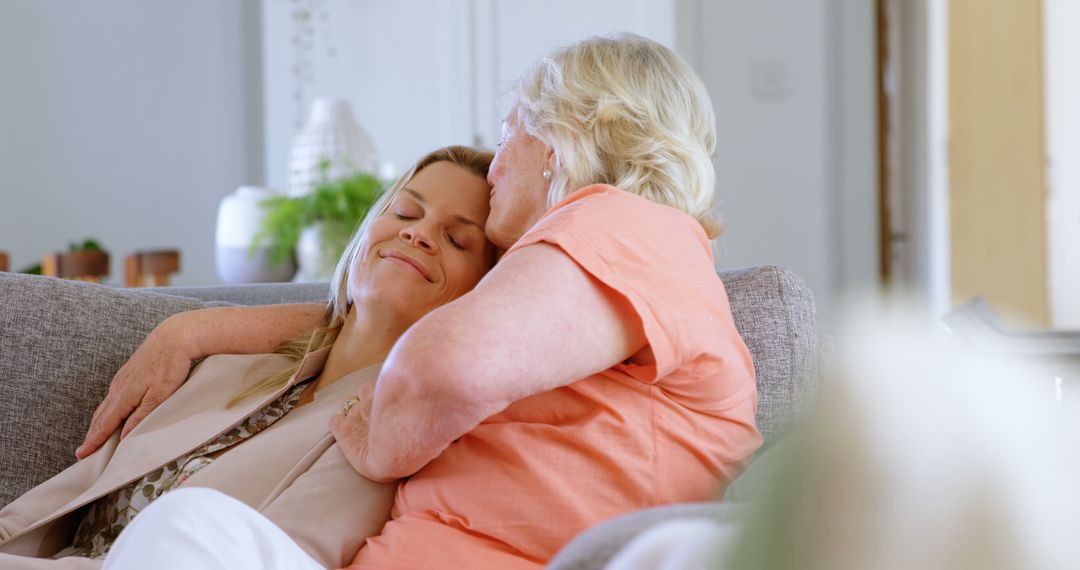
[(538, 321), (161, 363)]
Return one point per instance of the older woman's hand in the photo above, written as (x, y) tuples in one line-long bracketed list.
[(162, 362), (157, 368), (350, 429)]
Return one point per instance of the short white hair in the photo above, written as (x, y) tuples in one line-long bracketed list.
[(626, 111)]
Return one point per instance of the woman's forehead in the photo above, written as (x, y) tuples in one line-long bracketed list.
[(452, 186), (443, 176)]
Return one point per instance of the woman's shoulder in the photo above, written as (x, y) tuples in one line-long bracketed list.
[(606, 216), (607, 200)]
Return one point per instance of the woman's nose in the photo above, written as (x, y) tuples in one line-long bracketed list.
[(418, 237)]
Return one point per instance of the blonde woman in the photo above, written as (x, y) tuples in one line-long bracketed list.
[(596, 370), (256, 427)]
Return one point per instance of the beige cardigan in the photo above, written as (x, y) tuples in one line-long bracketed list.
[(293, 472)]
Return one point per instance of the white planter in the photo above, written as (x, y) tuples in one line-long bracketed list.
[(239, 219), (313, 259), (330, 134)]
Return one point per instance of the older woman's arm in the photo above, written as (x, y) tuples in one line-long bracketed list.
[(161, 363), (538, 321)]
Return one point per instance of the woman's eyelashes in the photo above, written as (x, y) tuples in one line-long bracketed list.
[(412, 216)]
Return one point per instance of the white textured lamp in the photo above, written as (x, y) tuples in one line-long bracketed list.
[(330, 135), (330, 140)]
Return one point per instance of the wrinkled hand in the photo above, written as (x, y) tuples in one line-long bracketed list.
[(157, 368), (351, 431)]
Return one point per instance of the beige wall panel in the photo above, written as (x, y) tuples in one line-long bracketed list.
[(997, 156)]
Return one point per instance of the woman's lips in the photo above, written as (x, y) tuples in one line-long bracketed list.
[(398, 257)]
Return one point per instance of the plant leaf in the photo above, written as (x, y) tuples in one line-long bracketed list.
[(340, 204)]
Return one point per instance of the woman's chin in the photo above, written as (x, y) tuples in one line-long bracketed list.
[(399, 303)]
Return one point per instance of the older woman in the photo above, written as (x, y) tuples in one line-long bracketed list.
[(256, 428), (596, 369)]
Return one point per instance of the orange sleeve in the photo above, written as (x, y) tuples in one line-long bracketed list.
[(657, 257)]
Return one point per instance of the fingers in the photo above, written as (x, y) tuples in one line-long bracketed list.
[(103, 424), (150, 401), (93, 439), (91, 432), (112, 410), (340, 430), (351, 435)]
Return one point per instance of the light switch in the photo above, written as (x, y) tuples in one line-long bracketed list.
[(769, 79)]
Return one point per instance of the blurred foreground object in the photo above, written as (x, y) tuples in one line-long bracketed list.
[(3, 261), (150, 268), (977, 321), (1057, 352), (924, 452)]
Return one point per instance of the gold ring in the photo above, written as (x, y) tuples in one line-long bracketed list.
[(348, 406)]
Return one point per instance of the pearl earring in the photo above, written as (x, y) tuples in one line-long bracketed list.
[(547, 174)]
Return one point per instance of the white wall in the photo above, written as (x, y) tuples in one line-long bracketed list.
[(392, 63), (125, 121), (421, 74), (796, 157), (920, 137), (1062, 19), (511, 34), (128, 121), (852, 93), (793, 88)]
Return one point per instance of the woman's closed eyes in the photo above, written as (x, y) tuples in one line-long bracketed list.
[(405, 215)]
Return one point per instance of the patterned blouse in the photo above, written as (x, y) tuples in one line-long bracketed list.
[(109, 515)]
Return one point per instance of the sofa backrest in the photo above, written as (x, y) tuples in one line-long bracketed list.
[(62, 341), (60, 344)]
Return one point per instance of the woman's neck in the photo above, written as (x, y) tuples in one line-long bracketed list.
[(367, 336)]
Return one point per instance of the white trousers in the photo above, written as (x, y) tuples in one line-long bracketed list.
[(205, 529), (679, 544)]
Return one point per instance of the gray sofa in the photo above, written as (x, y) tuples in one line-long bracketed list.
[(61, 342)]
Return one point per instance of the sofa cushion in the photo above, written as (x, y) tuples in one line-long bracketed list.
[(60, 344)]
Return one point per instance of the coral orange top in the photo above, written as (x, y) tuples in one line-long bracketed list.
[(514, 490)]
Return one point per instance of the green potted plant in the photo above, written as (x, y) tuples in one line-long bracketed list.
[(328, 215)]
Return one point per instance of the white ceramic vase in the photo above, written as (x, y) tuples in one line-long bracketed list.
[(314, 260), (240, 216), (330, 134)]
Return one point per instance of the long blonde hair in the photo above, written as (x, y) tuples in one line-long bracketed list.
[(339, 303), (626, 111)]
